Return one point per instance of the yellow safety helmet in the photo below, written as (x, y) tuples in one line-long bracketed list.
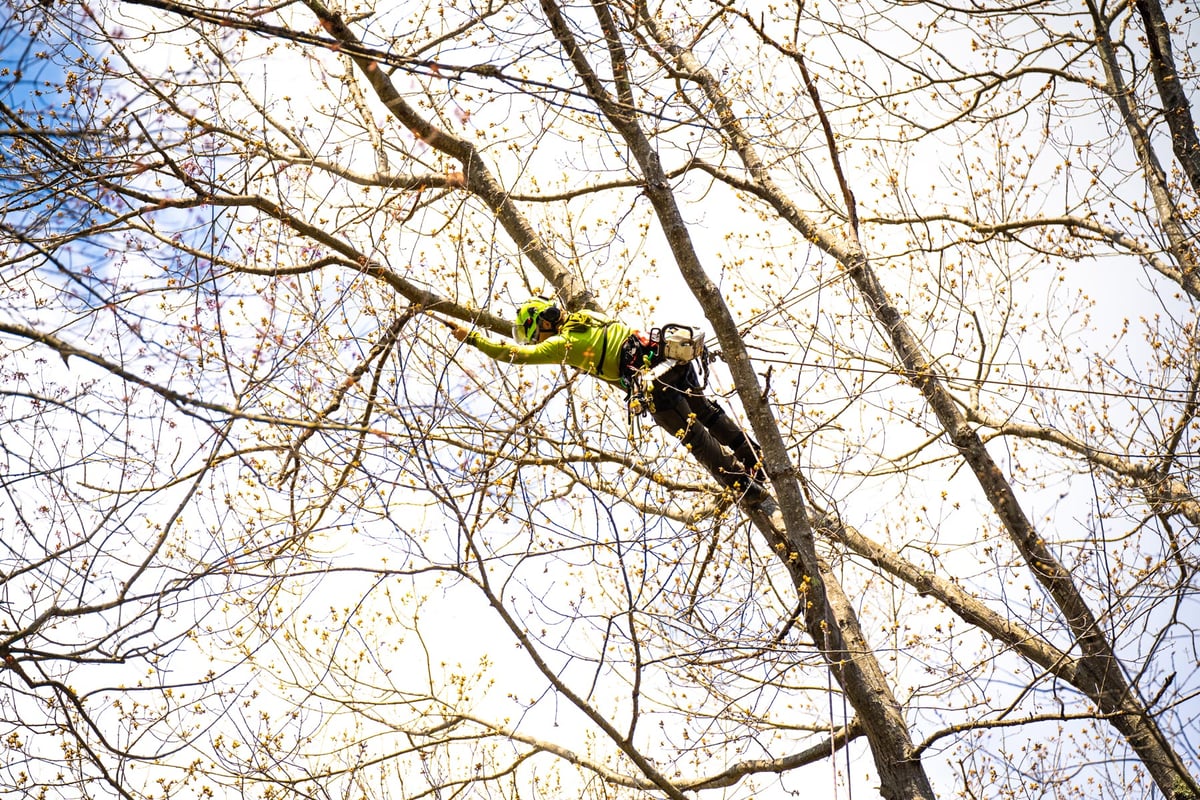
[(530, 315)]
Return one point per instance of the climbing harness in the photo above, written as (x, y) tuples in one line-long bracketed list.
[(648, 356)]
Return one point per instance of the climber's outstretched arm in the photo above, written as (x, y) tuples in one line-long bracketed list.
[(553, 350)]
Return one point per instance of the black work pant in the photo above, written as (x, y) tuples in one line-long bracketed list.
[(680, 406)]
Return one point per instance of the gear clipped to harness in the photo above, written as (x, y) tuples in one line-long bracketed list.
[(667, 348), (682, 343)]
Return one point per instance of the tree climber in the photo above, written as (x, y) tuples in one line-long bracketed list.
[(636, 362)]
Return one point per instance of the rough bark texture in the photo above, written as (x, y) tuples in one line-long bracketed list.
[(1176, 108), (829, 617), (1099, 675), (1179, 237)]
